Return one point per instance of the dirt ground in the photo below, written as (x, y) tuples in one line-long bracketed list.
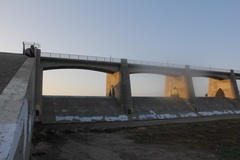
[(198, 141)]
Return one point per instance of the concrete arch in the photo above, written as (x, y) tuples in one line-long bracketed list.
[(98, 69), (56, 63)]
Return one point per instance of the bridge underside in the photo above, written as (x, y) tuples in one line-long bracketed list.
[(57, 109)]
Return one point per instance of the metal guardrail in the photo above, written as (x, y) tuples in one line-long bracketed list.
[(149, 63), (209, 69), (80, 57), (28, 44), (117, 60), (212, 69)]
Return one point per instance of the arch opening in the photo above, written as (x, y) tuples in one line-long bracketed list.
[(147, 85), (220, 93), (74, 82), (201, 85)]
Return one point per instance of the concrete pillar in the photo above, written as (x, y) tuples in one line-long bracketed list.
[(176, 83), (228, 86), (183, 85), (38, 86), (189, 82), (234, 84), (120, 82)]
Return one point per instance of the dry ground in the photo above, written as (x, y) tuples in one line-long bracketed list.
[(198, 141)]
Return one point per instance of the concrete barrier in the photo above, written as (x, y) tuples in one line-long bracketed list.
[(17, 113)]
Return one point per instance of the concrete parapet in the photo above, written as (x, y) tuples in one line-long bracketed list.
[(17, 114)]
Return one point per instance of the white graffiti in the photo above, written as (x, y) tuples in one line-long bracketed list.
[(154, 115), (92, 119), (190, 114), (119, 118), (237, 112), (215, 113)]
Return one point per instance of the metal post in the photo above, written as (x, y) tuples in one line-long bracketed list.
[(23, 47)]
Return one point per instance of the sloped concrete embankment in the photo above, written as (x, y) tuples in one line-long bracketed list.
[(172, 108), (214, 106), (17, 113), (57, 109), (80, 109)]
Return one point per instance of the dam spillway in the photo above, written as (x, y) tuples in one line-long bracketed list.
[(66, 109)]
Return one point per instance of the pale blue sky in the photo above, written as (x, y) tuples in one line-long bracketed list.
[(195, 32)]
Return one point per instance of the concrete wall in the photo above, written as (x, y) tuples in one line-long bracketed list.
[(17, 113), (178, 83), (183, 85), (113, 83), (225, 85), (228, 86)]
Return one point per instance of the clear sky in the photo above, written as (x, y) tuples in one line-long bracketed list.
[(195, 32)]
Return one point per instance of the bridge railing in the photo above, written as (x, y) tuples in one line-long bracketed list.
[(149, 63), (80, 57), (212, 69)]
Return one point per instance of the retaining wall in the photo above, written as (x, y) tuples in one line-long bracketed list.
[(17, 113)]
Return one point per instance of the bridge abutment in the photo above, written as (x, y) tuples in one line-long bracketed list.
[(118, 85)]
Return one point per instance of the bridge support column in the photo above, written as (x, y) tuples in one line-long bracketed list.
[(181, 86), (118, 85), (38, 86), (234, 84), (176, 87), (227, 86)]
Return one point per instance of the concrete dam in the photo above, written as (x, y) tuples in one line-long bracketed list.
[(22, 102)]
